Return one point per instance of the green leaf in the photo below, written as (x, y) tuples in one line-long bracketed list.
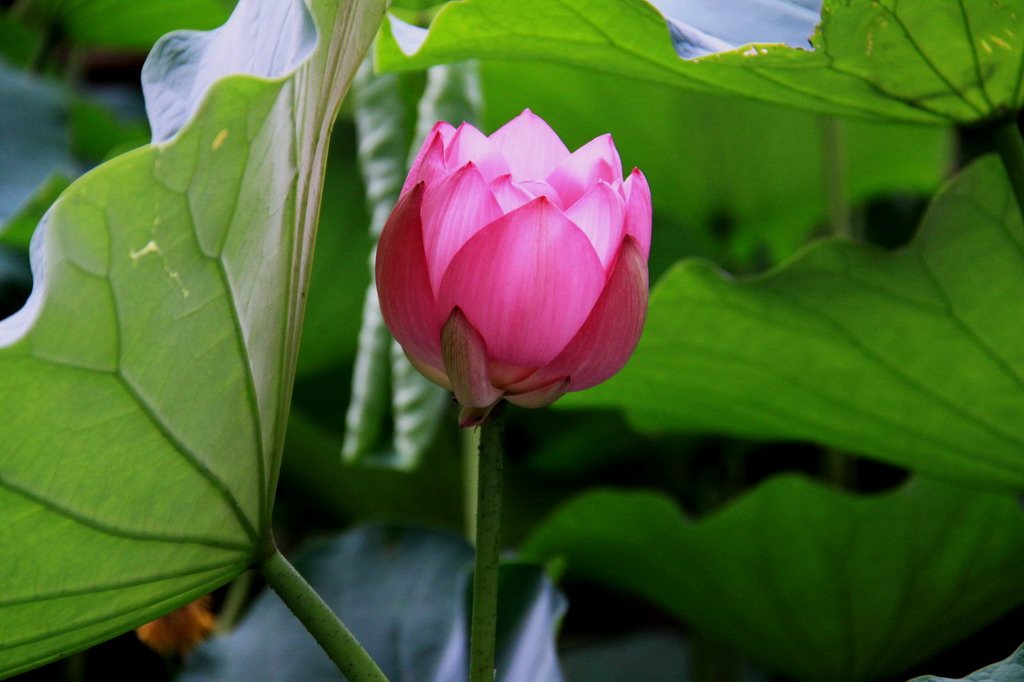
[(766, 190), (912, 358), (404, 594), (957, 60), (146, 382), (809, 581), (1010, 669), (127, 23)]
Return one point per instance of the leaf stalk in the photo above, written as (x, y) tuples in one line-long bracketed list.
[(330, 633)]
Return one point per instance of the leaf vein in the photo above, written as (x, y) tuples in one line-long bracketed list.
[(198, 464), (109, 587), (201, 587), (114, 531), (927, 60)]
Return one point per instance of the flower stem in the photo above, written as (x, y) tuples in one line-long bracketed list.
[(330, 633), (470, 479), (488, 546), (1011, 150)]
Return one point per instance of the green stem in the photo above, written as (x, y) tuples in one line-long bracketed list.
[(839, 467), (1011, 150), (470, 478), (330, 633), (833, 148), (488, 547)]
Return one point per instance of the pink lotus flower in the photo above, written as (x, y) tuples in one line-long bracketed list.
[(513, 269)]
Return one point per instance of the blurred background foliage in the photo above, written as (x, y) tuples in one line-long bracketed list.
[(690, 554)]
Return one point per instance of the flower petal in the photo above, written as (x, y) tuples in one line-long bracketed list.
[(469, 144), (429, 163), (512, 194), (638, 209), (596, 160), (430, 372), (527, 282), (454, 210), (465, 362), (530, 146), (599, 213), (608, 337), (542, 397), (403, 282), (508, 193), (539, 188)]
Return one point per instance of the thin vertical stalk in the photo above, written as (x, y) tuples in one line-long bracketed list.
[(839, 467), (470, 478), (833, 148), (488, 547), (1011, 150), (330, 633)]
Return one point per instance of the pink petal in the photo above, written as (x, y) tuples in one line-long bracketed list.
[(599, 213), (505, 375), (527, 282), (465, 362), (454, 210), (508, 193), (403, 283), (596, 160), (638, 209), (539, 188), (430, 372), (469, 144), (607, 339), (530, 146), (429, 163), (447, 130), (542, 397)]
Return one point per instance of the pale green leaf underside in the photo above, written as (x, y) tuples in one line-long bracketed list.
[(144, 386), (958, 60), (806, 580), (913, 358)]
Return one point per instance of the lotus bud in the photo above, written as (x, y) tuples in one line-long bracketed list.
[(513, 269)]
